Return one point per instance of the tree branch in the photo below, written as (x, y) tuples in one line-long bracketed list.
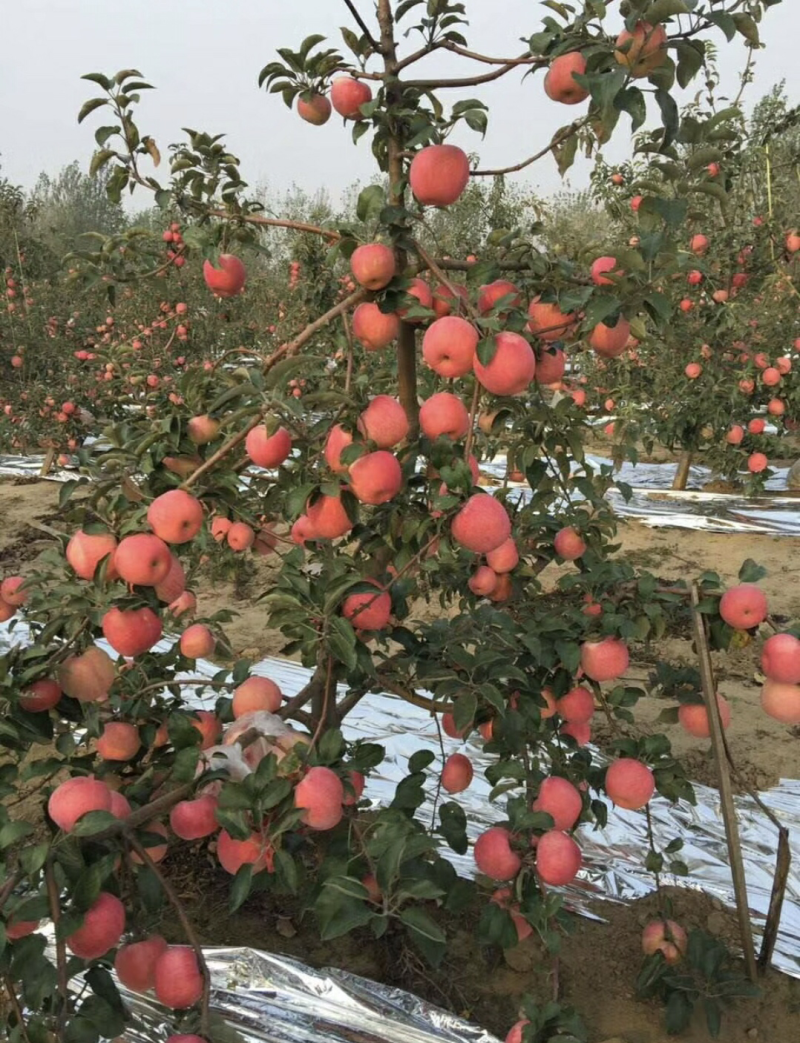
[(61, 953), (293, 346), (188, 930), (473, 81), (275, 222), (223, 451), (362, 25), (567, 132)]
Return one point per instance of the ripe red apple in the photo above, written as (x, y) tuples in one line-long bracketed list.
[(604, 660), (666, 937), (40, 696), (780, 659), (197, 642), (449, 345), (384, 422), (131, 631), (313, 108), (568, 544), (693, 370), (693, 718), (547, 321), (373, 328), (483, 581), (757, 462), (642, 50), (175, 516), (504, 558), (102, 927), (348, 95), (781, 701), (328, 518), (494, 856), (444, 414), (228, 279), (489, 295), (561, 800), (601, 267), (512, 366), (135, 963), (267, 450), (558, 858), (368, 611), (698, 244), (373, 265), (743, 606), (439, 174), (550, 366), (256, 693), (142, 560), (457, 773), (735, 435), (337, 440), (76, 797), (629, 783), (256, 851), (482, 524), (119, 742), (240, 536), (202, 429), (321, 794), (177, 980), (559, 82), (577, 706), (194, 819), (87, 677), (610, 341), (376, 478), (86, 550)]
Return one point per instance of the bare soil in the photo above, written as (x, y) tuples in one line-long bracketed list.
[(598, 963)]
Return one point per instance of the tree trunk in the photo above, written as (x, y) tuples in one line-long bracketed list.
[(407, 347), (682, 473)]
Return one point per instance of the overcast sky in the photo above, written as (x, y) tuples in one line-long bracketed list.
[(204, 57)]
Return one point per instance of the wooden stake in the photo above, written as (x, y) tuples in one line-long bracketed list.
[(47, 464), (725, 790)]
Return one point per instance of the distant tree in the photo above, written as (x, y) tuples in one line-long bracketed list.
[(71, 204)]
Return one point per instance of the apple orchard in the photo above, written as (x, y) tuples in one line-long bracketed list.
[(350, 446)]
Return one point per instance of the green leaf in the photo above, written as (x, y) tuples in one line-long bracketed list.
[(240, 889), (371, 201), (724, 21), (99, 79), (11, 832), (93, 822), (661, 10), (89, 106), (751, 572), (747, 27), (419, 921)]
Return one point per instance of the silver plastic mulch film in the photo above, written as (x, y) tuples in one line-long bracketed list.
[(273, 999), (653, 502)]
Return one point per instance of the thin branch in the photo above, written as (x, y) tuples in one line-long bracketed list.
[(473, 81), (61, 952), (562, 135), (303, 697), (9, 886), (293, 346), (276, 222), (223, 451), (12, 995), (409, 696), (362, 25), (188, 930)]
